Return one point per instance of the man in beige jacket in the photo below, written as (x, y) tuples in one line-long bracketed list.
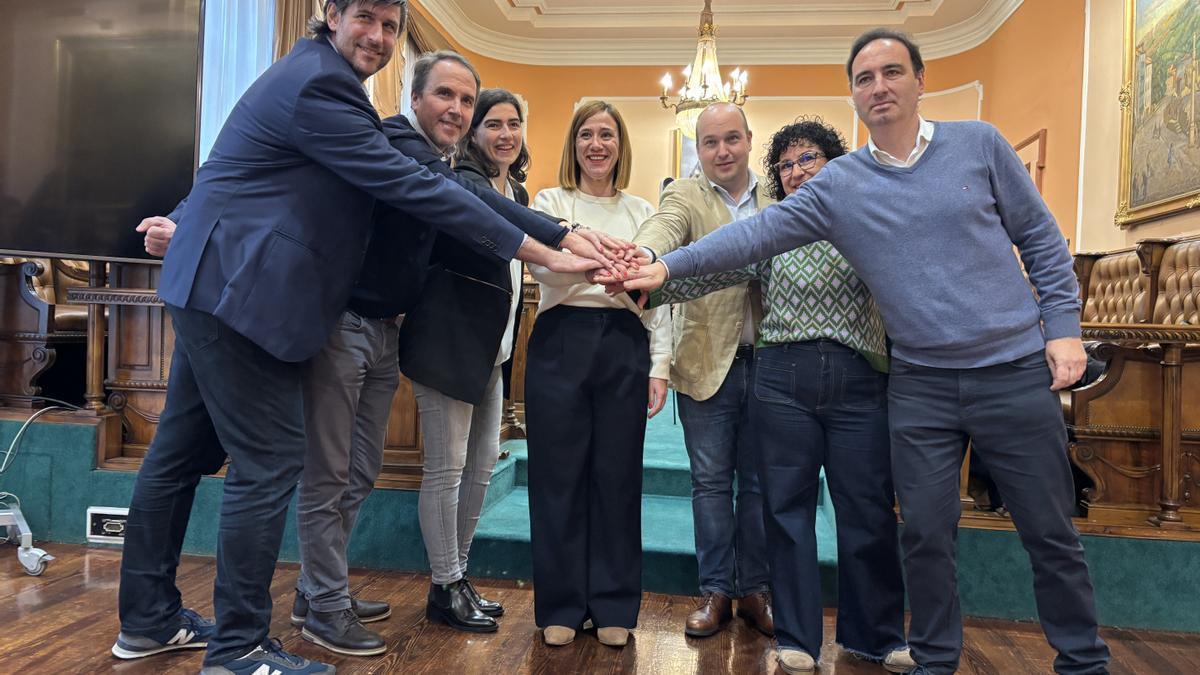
[(711, 371)]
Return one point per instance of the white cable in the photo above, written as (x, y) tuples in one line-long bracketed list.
[(16, 442)]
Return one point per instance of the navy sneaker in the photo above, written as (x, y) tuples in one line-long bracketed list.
[(190, 631), (270, 658)]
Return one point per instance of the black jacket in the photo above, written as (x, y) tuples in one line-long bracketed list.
[(397, 260), (450, 339)]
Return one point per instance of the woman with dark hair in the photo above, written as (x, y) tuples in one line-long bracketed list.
[(819, 402), (494, 148), (597, 366), (468, 312)]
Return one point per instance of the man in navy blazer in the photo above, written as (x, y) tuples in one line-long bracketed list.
[(269, 243)]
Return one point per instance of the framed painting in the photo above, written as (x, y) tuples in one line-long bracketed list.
[(1160, 110), (684, 161)]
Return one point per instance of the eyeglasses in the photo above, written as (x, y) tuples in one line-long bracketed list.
[(804, 162)]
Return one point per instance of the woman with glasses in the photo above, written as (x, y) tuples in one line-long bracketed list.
[(819, 401)]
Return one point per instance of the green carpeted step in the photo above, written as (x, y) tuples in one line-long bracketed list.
[(665, 472), (501, 546)]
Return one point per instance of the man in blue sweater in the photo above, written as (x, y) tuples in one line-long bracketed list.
[(928, 213)]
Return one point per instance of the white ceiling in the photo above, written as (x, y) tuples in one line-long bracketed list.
[(652, 32)]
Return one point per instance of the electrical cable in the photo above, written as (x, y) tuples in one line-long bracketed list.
[(16, 442), (7, 497)]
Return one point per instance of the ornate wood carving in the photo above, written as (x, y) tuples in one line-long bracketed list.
[(33, 338)]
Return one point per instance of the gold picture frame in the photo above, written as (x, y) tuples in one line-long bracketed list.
[(1160, 107)]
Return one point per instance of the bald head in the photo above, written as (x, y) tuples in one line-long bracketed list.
[(723, 145), (721, 114)]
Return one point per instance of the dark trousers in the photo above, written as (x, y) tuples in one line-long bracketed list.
[(820, 404), (225, 395), (585, 408), (1017, 427), (731, 551)]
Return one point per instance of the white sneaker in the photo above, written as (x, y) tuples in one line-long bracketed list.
[(899, 661), (796, 662)]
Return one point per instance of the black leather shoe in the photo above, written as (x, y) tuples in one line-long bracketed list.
[(370, 610), (450, 604), (343, 633), (489, 607), (366, 610)]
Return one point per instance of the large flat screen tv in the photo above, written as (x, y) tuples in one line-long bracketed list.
[(98, 107)]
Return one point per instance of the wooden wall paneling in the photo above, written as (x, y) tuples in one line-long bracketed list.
[(530, 296), (403, 453), (139, 360)]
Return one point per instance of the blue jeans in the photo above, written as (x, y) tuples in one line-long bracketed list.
[(225, 395), (730, 543), (815, 404), (1017, 427)]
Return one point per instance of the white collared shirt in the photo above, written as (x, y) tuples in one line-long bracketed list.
[(924, 136), (744, 207)]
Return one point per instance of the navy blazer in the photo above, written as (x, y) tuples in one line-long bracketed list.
[(398, 257), (273, 232)]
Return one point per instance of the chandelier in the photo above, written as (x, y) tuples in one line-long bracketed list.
[(702, 84)]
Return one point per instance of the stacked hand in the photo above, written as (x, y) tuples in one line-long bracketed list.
[(615, 255), (644, 277)]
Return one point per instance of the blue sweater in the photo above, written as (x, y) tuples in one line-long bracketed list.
[(933, 242)]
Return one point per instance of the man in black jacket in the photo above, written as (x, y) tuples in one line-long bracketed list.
[(351, 382)]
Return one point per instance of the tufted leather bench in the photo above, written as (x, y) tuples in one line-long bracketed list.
[(1136, 430), (1178, 300)]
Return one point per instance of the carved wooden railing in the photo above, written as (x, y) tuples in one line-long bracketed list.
[(1036, 167), (1167, 342)]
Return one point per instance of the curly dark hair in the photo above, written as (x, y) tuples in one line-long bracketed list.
[(804, 130), (488, 99)]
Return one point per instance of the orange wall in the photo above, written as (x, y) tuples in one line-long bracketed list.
[(1032, 75), (1031, 70)]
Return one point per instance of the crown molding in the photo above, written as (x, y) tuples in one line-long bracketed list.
[(743, 51), (538, 14)]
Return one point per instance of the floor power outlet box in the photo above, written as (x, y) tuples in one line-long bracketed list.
[(106, 524)]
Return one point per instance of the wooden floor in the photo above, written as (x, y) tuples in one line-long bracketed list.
[(66, 620)]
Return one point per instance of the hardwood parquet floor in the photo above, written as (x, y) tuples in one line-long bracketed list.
[(66, 620)]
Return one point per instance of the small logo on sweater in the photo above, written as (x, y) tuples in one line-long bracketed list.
[(966, 188)]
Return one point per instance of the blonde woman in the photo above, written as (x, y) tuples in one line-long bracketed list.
[(597, 368)]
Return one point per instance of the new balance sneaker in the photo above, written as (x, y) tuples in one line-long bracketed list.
[(190, 631), (270, 659)]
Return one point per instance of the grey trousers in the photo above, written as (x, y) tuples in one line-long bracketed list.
[(462, 443), (348, 390)]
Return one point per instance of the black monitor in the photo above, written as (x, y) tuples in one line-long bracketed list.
[(99, 102)]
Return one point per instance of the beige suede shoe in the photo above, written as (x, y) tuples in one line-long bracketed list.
[(557, 636), (613, 637), (796, 662), (899, 661)]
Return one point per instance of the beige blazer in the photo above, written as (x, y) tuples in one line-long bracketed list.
[(707, 330)]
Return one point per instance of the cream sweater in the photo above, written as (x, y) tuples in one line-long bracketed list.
[(620, 216)]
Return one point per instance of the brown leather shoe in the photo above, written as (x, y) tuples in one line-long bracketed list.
[(714, 612), (756, 610)]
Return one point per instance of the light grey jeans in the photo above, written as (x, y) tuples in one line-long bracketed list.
[(348, 390), (462, 443)]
